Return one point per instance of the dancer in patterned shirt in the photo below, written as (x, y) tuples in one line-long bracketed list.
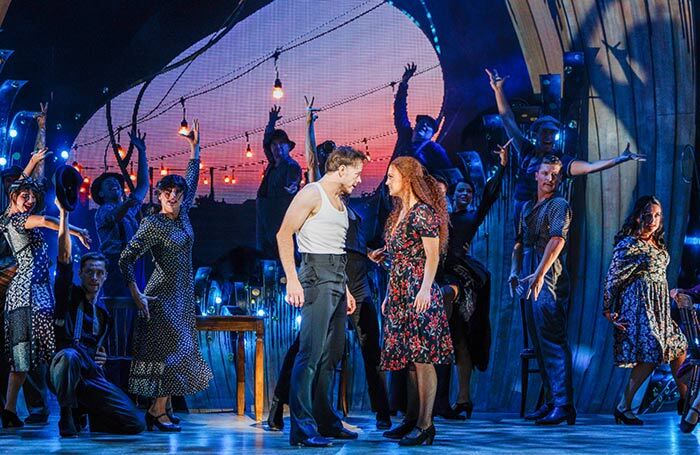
[(167, 360)]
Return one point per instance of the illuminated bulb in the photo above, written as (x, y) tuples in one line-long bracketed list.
[(218, 300), (132, 177), (248, 152), (206, 181), (227, 179), (3, 161), (163, 171), (121, 151), (233, 180), (65, 154), (86, 180), (184, 128), (261, 312), (277, 92), (82, 189), (201, 165), (13, 132)]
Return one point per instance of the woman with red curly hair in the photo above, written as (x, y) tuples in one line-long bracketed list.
[(416, 332)]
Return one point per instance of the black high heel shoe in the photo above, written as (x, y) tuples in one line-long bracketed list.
[(687, 427), (419, 436), (620, 417), (152, 421), (275, 420), (466, 407), (401, 430), (172, 417), (681, 406), (10, 420)]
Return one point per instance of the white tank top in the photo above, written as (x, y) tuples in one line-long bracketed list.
[(324, 232)]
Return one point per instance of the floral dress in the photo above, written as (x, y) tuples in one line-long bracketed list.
[(167, 359), (411, 337), (29, 329), (636, 289)]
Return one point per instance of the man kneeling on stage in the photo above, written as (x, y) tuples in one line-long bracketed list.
[(82, 323)]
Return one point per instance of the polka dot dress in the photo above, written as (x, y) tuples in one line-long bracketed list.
[(29, 330), (167, 359)]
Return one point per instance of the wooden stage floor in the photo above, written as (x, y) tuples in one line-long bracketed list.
[(485, 433)]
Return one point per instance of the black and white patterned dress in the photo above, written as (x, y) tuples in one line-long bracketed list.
[(636, 288), (167, 359), (29, 329)]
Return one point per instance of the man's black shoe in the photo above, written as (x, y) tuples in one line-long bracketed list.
[(314, 441), (342, 434), (559, 415), (66, 426), (540, 413), (275, 421), (37, 418), (383, 421)]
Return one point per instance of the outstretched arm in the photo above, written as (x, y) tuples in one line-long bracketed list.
[(580, 167), (40, 142), (50, 222), (65, 245), (401, 121), (507, 117), (37, 157), (314, 172), (269, 129), (192, 173), (493, 185), (142, 179)]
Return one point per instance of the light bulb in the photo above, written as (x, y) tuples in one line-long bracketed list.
[(86, 180), (132, 177), (65, 154), (13, 132), (184, 128), (3, 161), (163, 170), (206, 181), (248, 152), (227, 179), (121, 151), (277, 92)]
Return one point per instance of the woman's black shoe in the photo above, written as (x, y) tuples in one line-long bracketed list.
[(152, 421), (681, 406), (687, 427), (418, 436), (620, 417), (172, 417), (10, 420), (401, 430), (275, 420), (464, 407)]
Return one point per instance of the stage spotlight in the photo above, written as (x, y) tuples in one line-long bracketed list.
[(65, 154), (248, 152), (573, 59), (13, 132), (218, 300), (3, 161), (492, 121), (277, 92), (261, 312), (557, 136)]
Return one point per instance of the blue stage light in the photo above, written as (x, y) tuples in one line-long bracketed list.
[(557, 136), (3, 161), (218, 300), (65, 154), (261, 312), (13, 132)]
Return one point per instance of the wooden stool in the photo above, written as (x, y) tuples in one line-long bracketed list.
[(526, 355)]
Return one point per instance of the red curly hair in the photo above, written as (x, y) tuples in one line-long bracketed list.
[(426, 190)]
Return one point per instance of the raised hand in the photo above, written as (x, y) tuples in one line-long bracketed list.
[(502, 152), (193, 137), (40, 155), (495, 80), (408, 72), (41, 117), (275, 114), (139, 140), (310, 110), (628, 155)]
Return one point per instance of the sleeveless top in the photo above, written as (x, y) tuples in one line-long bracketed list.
[(324, 232)]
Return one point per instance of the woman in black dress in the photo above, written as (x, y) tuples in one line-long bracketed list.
[(167, 360), (637, 302), (416, 332)]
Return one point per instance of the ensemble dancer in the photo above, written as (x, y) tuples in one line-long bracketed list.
[(363, 319), (416, 141), (83, 323), (116, 220), (29, 305), (167, 360), (279, 184), (638, 304), (538, 272), (319, 218), (466, 287), (545, 130), (416, 331)]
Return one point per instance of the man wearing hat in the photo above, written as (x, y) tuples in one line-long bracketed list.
[(416, 141), (279, 184), (545, 130), (116, 221)]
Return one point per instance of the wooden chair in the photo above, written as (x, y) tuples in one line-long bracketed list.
[(526, 355)]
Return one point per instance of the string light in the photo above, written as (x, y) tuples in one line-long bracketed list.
[(86, 180), (277, 92), (184, 127), (163, 170), (248, 150), (233, 176), (121, 151), (227, 179)]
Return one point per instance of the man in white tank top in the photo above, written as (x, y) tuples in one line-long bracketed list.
[(319, 219)]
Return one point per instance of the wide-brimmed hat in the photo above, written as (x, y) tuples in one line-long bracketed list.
[(281, 135), (546, 121), (432, 123), (97, 185), (67, 181)]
